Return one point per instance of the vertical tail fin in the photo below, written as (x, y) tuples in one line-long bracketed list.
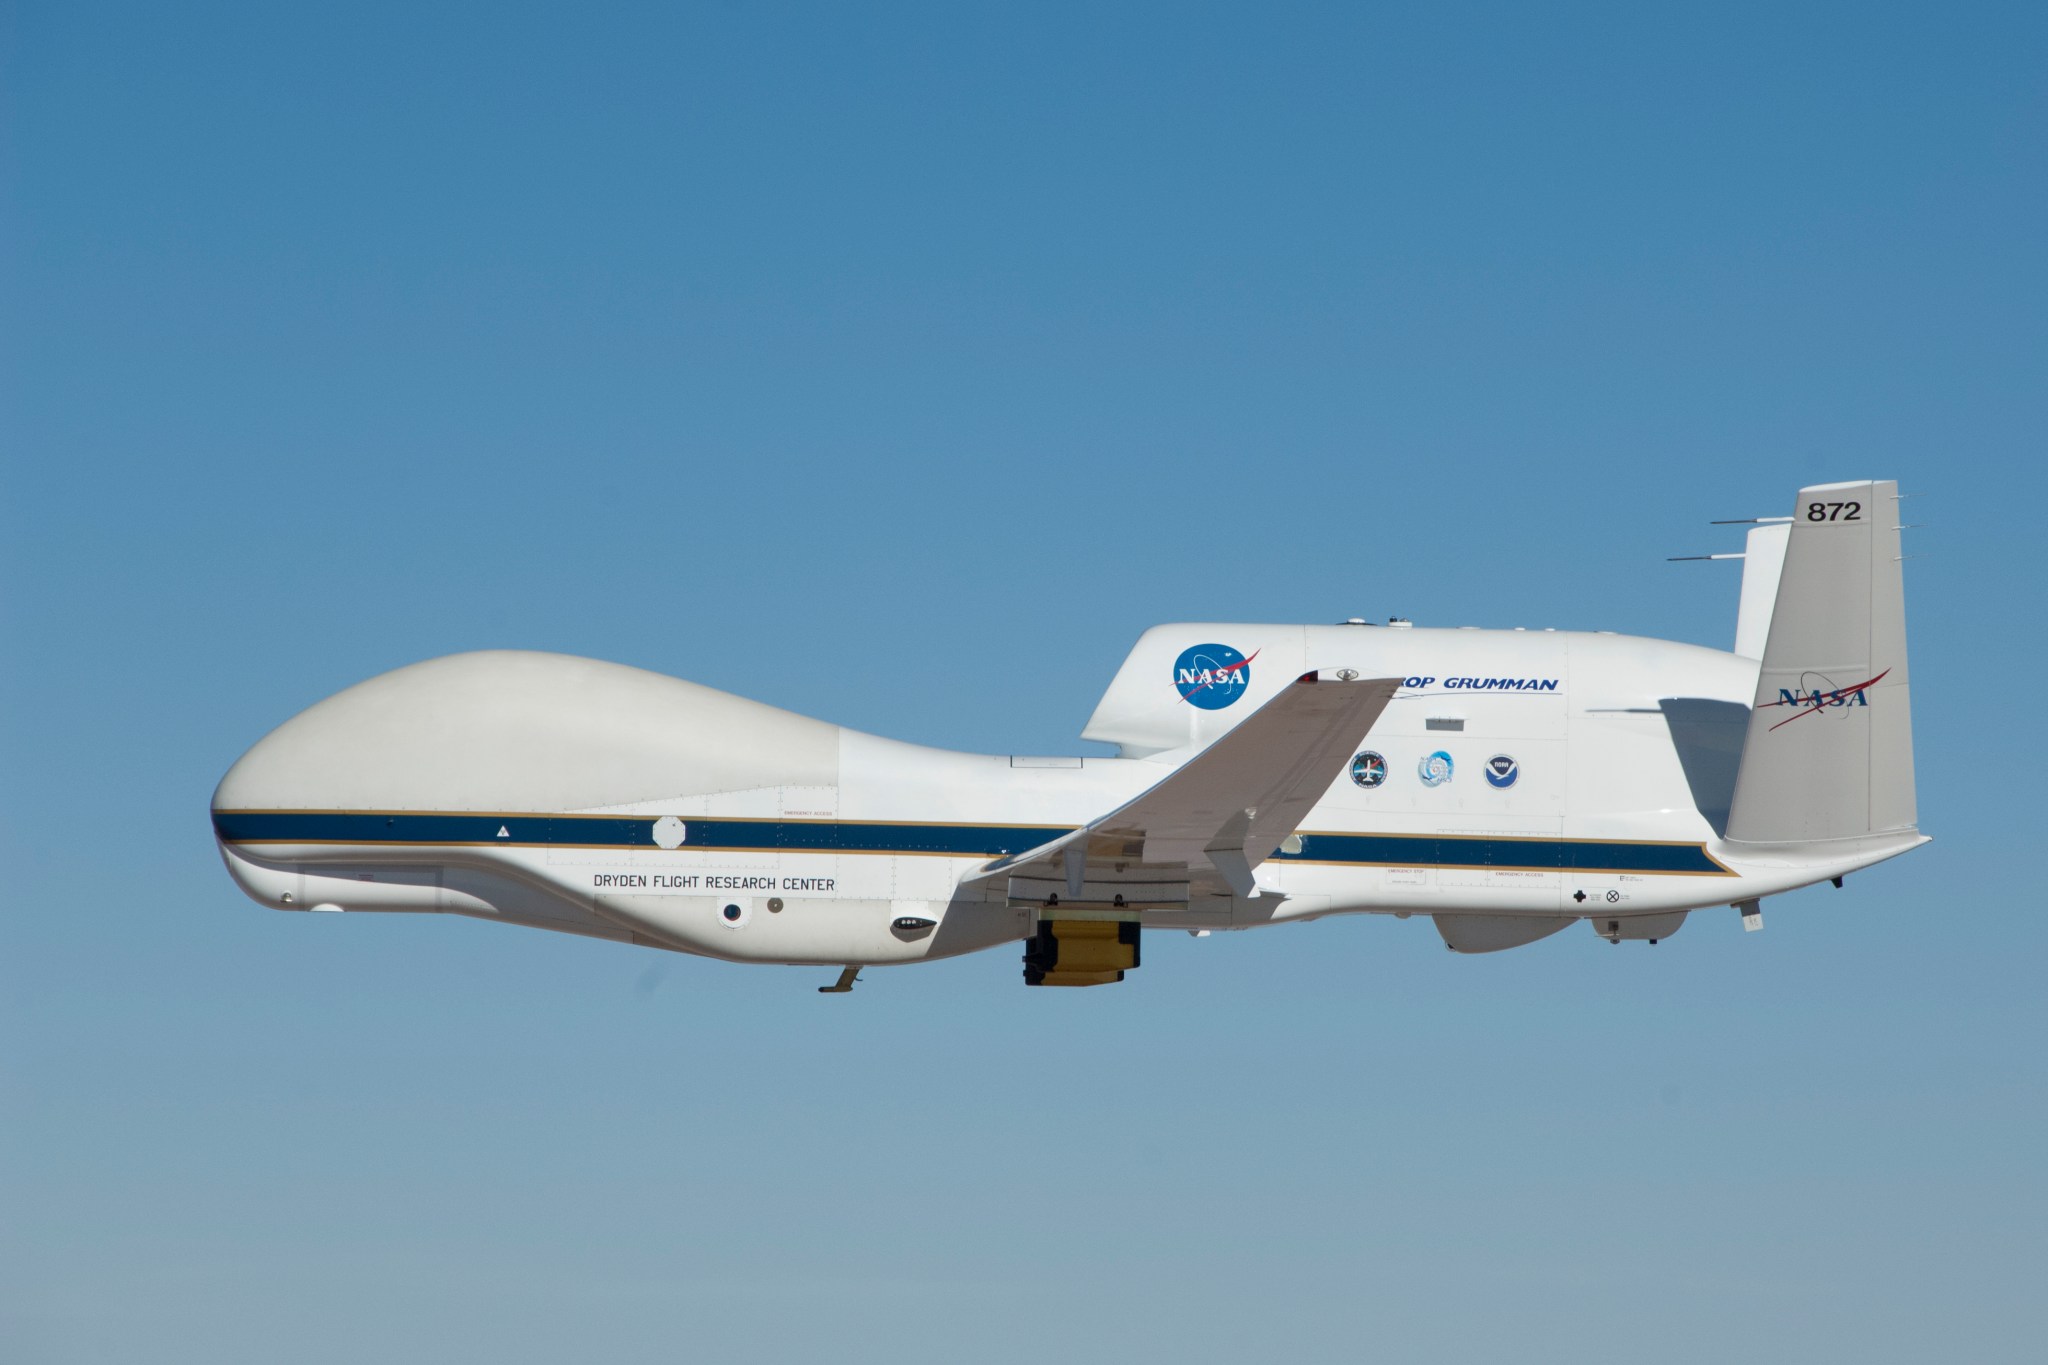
[(1829, 753), (1763, 563)]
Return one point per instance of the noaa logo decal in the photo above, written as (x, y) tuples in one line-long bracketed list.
[(1501, 771), (1212, 676), (1368, 770), (1435, 769)]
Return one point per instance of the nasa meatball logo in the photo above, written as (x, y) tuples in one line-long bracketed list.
[(1212, 676)]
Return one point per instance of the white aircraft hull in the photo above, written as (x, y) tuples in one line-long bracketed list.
[(1518, 781)]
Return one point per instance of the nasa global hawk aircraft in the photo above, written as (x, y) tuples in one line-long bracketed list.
[(1504, 783)]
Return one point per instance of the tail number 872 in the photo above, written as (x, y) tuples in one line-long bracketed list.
[(1834, 511)]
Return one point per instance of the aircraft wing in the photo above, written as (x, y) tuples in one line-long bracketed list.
[(1217, 816)]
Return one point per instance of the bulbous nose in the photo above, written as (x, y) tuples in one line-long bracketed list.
[(510, 730)]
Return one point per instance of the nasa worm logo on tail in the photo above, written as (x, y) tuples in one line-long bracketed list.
[(1212, 676), (1817, 693)]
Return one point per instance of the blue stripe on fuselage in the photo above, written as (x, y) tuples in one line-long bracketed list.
[(964, 841), (625, 832)]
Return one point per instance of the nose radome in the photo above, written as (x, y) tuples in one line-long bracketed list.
[(509, 730)]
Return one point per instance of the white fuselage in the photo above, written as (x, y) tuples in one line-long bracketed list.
[(793, 841)]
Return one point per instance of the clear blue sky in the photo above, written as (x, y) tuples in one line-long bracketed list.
[(898, 366)]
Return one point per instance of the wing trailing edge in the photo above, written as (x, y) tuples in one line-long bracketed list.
[(1212, 821)]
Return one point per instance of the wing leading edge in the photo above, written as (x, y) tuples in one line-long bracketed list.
[(1215, 818)]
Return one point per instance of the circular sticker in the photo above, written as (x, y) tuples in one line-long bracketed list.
[(1502, 770), (1368, 769), (1211, 676), (1435, 769)]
